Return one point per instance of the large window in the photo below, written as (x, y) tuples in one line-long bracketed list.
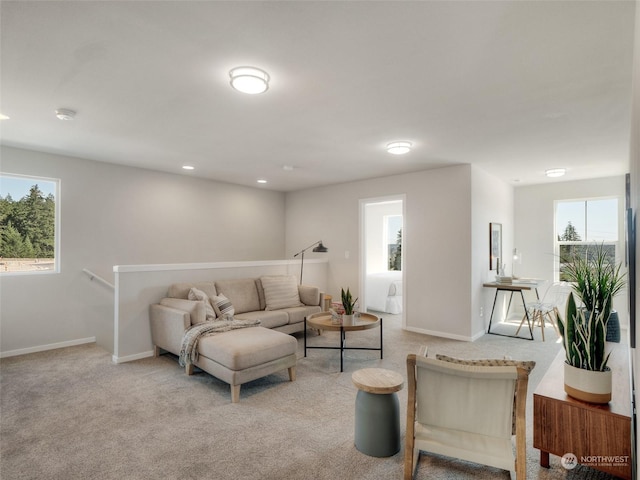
[(580, 224), (28, 224)]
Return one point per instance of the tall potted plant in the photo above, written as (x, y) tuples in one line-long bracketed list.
[(596, 280), (349, 304)]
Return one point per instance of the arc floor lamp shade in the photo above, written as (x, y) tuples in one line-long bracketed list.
[(318, 247)]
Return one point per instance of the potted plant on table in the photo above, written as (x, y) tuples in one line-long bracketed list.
[(349, 304), (596, 281)]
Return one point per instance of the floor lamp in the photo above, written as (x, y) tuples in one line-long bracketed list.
[(320, 248)]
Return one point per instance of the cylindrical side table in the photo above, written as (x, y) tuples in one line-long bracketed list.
[(377, 420)]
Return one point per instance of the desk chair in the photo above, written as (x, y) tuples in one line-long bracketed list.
[(549, 307), (464, 409)]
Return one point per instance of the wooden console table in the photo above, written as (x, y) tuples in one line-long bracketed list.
[(598, 435)]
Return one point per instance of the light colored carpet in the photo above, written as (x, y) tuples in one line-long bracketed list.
[(71, 414)]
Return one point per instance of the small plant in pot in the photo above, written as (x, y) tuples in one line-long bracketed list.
[(349, 304), (596, 281)]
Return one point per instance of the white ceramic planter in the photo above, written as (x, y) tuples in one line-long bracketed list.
[(587, 385), (347, 319)]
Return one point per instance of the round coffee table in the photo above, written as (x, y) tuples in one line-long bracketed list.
[(322, 321), (377, 422)]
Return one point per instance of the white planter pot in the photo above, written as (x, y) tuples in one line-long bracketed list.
[(587, 385), (347, 319)]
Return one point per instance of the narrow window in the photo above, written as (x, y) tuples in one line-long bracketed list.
[(28, 224)]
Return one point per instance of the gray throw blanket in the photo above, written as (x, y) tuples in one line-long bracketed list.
[(189, 350)]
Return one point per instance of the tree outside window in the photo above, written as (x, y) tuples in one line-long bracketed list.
[(27, 224)]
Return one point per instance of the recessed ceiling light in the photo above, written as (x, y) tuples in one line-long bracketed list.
[(249, 80), (188, 167), (262, 180), (3, 117), (399, 148), (65, 114), (555, 172)]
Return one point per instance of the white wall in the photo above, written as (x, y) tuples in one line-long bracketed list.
[(492, 202), (534, 224), (116, 215), (436, 241)]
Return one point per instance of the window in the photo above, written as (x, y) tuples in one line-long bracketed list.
[(28, 224), (393, 235), (584, 223)]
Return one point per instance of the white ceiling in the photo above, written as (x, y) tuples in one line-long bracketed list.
[(512, 87)]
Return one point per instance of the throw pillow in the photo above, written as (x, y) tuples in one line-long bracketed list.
[(280, 291), (494, 362), (200, 296), (223, 306)]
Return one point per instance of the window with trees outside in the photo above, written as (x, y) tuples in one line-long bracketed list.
[(393, 233), (28, 224), (581, 224)]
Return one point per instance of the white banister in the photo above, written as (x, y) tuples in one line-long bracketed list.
[(93, 276)]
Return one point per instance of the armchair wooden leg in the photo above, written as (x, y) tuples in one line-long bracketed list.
[(235, 393), (292, 373), (189, 369), (156, 351)]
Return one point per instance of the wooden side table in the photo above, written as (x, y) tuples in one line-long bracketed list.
[(377, 417), (598, 435)]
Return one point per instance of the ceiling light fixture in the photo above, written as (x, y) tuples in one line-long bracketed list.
[(65, 114), (188, 167), (399, 148), (262, 180), (555, 172), (249, 80)]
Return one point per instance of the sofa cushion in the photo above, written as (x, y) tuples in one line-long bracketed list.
[(198, 295), (280, 291), (222, 305), (297, 314), (267, 319), (196, 309), (181, 290), (247, 347), (242, 292), (309, 295)]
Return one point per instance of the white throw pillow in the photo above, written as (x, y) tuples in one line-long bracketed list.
[(223, 306), (280, 291), (200, 296)]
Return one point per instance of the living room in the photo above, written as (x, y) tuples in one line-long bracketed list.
[(119, 213)]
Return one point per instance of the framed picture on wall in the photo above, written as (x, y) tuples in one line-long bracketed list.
[(495, 245)]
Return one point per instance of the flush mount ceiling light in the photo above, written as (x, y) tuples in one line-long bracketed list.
[(249, 80), (262, 180), (65, 114), (555, 172), (399, 148), (188, 167)]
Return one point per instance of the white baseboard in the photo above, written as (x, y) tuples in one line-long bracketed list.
[(443, 334), (131, 358), (50, 346)]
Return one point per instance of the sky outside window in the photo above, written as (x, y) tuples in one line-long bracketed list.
[(594, 220)]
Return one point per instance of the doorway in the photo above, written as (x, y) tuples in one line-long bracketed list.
[(383, 255)]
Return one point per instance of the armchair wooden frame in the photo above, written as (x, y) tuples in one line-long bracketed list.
[(516, 374)]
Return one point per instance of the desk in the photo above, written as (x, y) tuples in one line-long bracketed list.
[(598, 435), (519, 287)]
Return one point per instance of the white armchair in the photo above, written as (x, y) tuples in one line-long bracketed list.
[(463, 410)]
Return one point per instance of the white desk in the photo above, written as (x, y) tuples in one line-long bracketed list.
[(517, 286)]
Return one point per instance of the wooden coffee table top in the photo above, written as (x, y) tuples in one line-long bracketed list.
[(322, 321), (377, 380)]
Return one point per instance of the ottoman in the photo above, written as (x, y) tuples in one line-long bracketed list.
[(245, 354)]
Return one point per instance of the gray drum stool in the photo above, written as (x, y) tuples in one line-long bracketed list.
[(377, 430)]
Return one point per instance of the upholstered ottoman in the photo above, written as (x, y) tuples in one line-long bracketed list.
[(242, 355)]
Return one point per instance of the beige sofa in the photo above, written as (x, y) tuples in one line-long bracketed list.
[(237, 356)]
